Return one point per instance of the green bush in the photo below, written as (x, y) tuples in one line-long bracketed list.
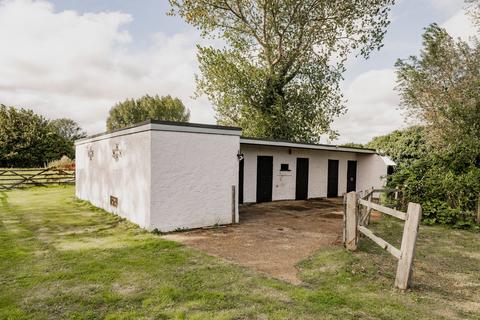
[(448, 194)]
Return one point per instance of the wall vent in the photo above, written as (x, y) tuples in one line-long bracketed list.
[(113, 201)]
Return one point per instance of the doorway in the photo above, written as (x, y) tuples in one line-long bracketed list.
[(241, 166), (351, 176), (264, 178), (332, 184), (301, 186)]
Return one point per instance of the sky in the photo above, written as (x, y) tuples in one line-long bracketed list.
[(77, 58)]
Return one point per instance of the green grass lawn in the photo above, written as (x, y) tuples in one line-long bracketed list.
[(62, 258)]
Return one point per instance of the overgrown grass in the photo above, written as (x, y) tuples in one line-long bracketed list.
[(62, 258)]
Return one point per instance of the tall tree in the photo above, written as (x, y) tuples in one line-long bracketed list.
[(439, 165), (27, 139), (278, 75), (68, 129), (132, 111), (441, 88)]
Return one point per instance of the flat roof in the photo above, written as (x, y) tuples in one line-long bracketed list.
[(160, 125), (300, 145)]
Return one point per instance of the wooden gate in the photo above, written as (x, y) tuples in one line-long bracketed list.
[(17, 178), (356, 223)]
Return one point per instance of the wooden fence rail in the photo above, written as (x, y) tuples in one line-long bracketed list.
[(18, 178), (355, 223)]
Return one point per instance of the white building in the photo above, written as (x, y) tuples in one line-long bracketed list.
[(167, 176)]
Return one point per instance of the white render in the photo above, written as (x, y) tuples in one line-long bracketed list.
[(192, 179), (171, 176), (167, 176), (371, 169), (127, 178)]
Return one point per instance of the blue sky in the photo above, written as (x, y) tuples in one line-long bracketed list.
[(79, 57)]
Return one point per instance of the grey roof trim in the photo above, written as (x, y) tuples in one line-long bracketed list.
[(288, 144), (156, 125)]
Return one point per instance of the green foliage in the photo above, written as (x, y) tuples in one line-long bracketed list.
[(441, 88), (132, 111), (278, 76), (439, 161), (68, 129), (353, 145), (403, 146), (28, 139), (445, 183)]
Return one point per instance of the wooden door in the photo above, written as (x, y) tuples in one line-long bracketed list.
[(332, 184), (264, 178), (301, 185), (352, 176)]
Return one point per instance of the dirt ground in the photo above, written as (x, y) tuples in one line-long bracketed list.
[(272, 237)]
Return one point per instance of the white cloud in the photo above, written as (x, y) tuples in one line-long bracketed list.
[(372, 107), (65, 64), (460, 25)]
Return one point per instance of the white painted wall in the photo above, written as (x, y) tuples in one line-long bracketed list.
[(371, 171), (192, 179), (284, 183), (175, 176), (127, 178), (167, 177)]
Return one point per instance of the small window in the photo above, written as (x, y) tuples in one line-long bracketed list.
[(284, 167)]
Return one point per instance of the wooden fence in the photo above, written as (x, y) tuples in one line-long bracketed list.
[(19, 178), (357, 217)]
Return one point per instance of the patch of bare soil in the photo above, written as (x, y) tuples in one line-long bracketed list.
[(272, 237)]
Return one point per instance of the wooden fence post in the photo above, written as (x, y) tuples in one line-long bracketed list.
[(351, 222), (410, 231), (478, 209), (234, 205)]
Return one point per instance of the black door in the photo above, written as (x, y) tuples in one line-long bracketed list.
[(332, 185), (240, 181), (264, 178), (352, 176), (301, 187)]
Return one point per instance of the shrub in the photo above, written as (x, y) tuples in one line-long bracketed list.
[(64, 163)]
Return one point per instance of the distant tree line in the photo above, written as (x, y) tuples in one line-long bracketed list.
[(30, 140), (132, 111)]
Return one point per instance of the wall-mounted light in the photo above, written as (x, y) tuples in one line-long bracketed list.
[(116, 152), (240, 156)]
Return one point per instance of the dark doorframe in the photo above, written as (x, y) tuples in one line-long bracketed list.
[(301, 185), (264, 178), (241, 166), (332, 184), (351, 176)]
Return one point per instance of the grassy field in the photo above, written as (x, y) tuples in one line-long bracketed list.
[(62, 258)]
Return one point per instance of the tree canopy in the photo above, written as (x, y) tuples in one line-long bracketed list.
[(403, 146), (30, 140), (441, 88), (278, 75), (132, 111), (68, 129), (439, 161)]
